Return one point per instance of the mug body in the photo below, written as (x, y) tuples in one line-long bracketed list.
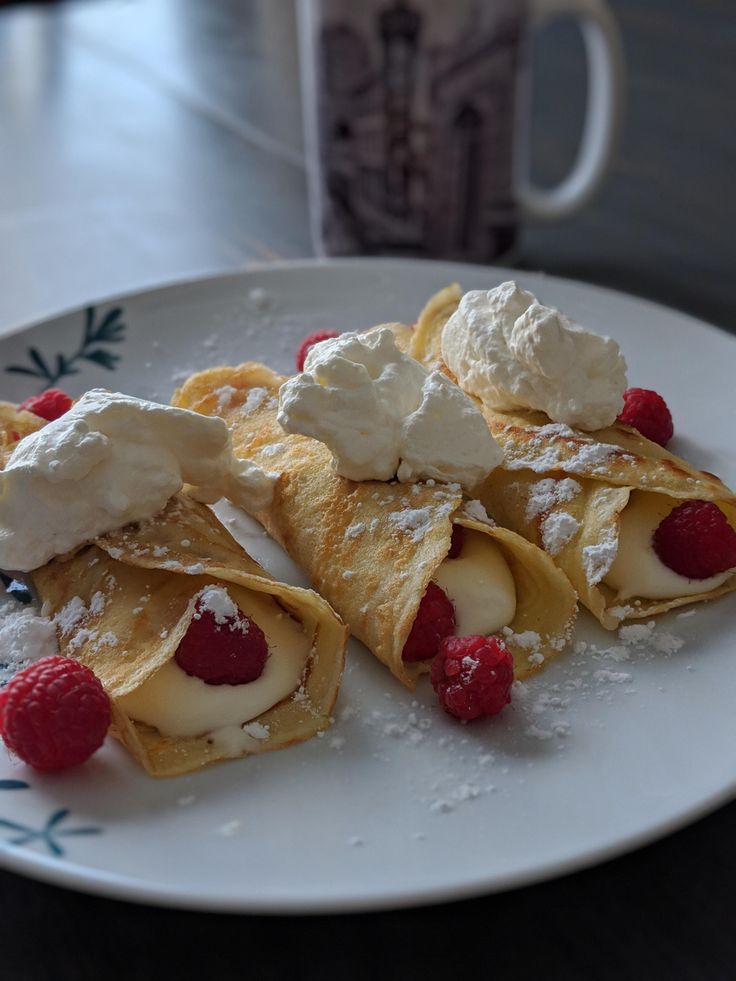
[(410, 121)]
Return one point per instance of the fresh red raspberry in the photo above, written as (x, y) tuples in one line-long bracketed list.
[(647, 411), (435, 619), (54, 713), (456, 542), (315, 338), (696, 540), (49, 405), (472, 676), (232, 652)]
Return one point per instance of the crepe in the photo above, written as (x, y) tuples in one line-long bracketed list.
[(608, 465), (124, 603), (14, 425), (371, 547)]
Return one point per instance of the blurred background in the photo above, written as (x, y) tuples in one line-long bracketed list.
[(148, 140)]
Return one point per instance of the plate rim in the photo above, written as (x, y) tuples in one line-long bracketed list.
[(281, 265), (93, 881)]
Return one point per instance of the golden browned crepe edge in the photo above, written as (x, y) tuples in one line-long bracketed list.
[(518, 432), (634, 461), (400, 578), (597, 509), (15, 422), (292, 720), (541, 588), (425, 342)]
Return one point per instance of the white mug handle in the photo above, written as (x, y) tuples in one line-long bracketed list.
[(602, 114)]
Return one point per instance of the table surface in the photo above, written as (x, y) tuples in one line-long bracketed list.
[(148, 140)]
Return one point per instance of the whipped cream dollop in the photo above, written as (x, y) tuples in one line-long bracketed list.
[(382, 415), (637, 569), (513, 352), (112, 459)]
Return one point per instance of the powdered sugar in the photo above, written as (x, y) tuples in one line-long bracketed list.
[(548, 493), (414, 522), (224, 396), (71, 614), (260, 298), (108, 639), (72, 617), (97, 603), (354, 530), (217, 601), (273, 449), (256, 730), (448, 768), (549, 448), (25, 637), (616, 677), (255, 398), (621, 611), (557, 530), (647, 634), (637, 633), (476, 511), (598, 559)]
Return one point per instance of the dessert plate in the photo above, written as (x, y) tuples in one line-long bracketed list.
[(620, 741)]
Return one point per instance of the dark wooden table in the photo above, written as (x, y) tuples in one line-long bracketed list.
[(147, 140)]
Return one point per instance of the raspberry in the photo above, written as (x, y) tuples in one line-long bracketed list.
[(222, 651), (647, 411), (49, 405), (696, 540), (456, 542), (315, 338), (54, 713), (472, 676), (435, 619)]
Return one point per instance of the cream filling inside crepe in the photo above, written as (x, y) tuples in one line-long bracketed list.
[(480, 585), (178, 704), (637, 569)]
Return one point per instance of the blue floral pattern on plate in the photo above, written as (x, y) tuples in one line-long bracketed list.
[(49, 834), (99, 332), (97, 335)]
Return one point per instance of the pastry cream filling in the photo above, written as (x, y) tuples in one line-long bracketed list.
[(480, 585), (637, 569), (178, 704)]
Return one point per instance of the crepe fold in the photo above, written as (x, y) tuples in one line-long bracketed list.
[(123, 604), (607, 466), (15, 423), (371, 547)]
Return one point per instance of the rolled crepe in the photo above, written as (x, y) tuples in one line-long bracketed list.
[(566, 490), (123, 604), (370, 547)]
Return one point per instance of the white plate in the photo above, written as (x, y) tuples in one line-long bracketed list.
[(397, 804)]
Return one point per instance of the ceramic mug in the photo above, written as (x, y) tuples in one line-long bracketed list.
[(415, 121)]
